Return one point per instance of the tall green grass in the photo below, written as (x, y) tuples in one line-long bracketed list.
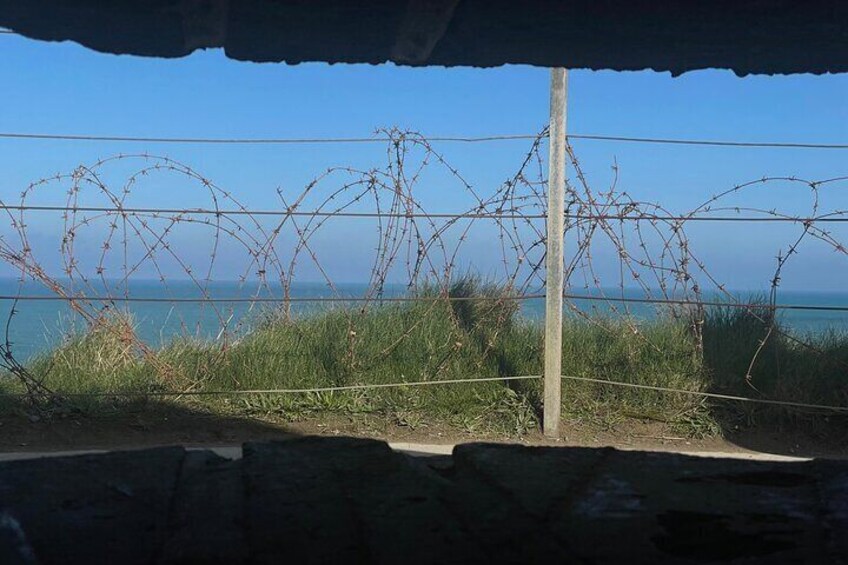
[(811, 368), (476, 337)]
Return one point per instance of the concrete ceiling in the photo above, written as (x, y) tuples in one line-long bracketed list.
[(746, 36)]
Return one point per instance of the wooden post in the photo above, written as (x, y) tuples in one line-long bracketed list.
[(554, 255)]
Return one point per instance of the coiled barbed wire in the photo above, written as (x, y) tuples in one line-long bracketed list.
[(653, 251)]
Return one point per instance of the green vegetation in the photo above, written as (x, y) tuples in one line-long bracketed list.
[(476, 337)]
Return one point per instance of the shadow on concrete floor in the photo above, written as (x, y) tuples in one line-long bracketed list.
[(141, 425)]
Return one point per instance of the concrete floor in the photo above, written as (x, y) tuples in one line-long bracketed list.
[(417, 449)]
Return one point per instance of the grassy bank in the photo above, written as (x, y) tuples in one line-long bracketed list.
[(477, 337)]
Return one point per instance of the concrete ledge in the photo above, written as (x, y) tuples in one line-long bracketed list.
[(320, 500), (747, 36)]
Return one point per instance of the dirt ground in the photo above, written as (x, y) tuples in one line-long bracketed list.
[(20, 433)]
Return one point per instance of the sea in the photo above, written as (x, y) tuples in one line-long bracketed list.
[(33, 327)]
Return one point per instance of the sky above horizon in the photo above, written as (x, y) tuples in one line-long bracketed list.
[(64, 88)]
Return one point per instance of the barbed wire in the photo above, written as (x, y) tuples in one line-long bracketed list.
[(408, 239), (419, 249)]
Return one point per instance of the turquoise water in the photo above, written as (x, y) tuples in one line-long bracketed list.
[(40, 325)]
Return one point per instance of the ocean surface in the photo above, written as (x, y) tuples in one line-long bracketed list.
[(38, 325)]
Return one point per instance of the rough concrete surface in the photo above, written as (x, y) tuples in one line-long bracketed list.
[(331, 500), (747, 36)]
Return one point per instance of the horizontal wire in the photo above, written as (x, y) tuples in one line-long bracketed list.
[(717, 303), (260, 299), (383, 139), (830, 218), (256, 141), (786, 403), (245, 212), (343, 388), (280, 299), (683, 302), (287, 390), (470, 215), (710, 142)]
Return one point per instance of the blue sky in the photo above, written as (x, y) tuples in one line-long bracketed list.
[(64, 88)]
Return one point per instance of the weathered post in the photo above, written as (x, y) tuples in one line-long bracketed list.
[(554, 255)]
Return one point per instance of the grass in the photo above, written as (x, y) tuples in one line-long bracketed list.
[(808, 368), (472, 338)]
